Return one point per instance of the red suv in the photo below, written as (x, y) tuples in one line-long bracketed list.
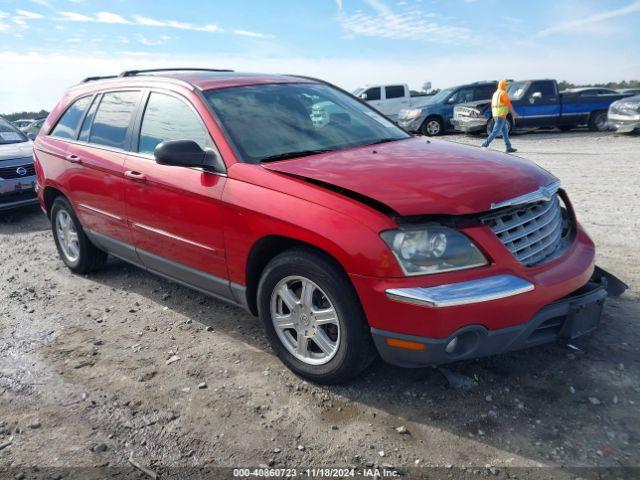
[(293, 199)]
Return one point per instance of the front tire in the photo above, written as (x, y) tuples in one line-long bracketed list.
[(313, 318), (492, 122), (75, 248), (432, 127), (598, 121)]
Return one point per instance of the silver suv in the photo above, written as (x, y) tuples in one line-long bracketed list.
[(17, 174)]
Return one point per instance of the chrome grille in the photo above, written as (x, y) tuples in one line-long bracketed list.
[(534, 233)]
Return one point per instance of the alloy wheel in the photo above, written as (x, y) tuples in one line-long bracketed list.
[(305, 320), (67, 236)]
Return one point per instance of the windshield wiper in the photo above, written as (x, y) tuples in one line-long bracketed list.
[(288, 155), (383, 140)]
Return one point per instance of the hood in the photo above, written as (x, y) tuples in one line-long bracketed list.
[(420, 177), (9, 151), (479, 104)]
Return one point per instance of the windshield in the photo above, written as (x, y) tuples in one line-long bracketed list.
[(278, 121), (516, 89), (441, 96), (357, 92), (9, 133)]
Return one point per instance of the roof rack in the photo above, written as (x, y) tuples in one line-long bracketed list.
[(131, 73), (93, 79)]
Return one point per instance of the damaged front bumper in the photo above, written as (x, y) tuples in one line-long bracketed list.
[(572, 316), (469, 124)]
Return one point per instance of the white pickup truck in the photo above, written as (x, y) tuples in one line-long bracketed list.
[(390, 99)]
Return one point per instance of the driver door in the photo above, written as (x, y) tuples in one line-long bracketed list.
[(175, 213)]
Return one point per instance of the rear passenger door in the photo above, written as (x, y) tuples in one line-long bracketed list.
[(175, 213), (96, 164), (395, 99)]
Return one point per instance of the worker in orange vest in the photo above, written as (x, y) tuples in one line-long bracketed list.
[(500, 107)]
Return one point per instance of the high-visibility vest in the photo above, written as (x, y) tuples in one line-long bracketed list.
[(498, 109)]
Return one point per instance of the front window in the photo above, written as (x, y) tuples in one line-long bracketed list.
[(278, 121), (10, 134), (516, 89)]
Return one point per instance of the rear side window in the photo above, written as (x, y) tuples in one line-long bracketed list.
[(547, 89), (86, 124), (169, 118), (67, 126), (394, 91), (113, 118), (373, 93)]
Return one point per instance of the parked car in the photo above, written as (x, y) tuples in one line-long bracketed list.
[(17, 176), (346, 238), (629, 91), (624, 115), (586, 91), (434, 117), (32, 130), (390, 99), (23, 123), (539, 105)]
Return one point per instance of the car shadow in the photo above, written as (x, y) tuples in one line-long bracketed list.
[(556, 404), (23, 220)]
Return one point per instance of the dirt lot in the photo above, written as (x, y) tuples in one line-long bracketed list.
[(84, 377)]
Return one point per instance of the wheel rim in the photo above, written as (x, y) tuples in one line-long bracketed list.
[(601, 121), (67, 236), (433, 127), (305, 320)]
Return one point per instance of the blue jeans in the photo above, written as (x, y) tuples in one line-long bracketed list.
[(500, 125)]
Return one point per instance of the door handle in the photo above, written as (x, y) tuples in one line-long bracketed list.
[(135, 176), (74, 158)]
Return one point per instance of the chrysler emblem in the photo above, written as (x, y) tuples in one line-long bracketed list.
[(21, 171)]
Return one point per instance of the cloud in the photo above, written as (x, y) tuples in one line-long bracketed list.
[(43, 3), (577, 26), (106, 17), (152, 22), (248, 33), (409, 24), (25, 14), (100, 17)]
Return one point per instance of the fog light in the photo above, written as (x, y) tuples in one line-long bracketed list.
[(451, 346)]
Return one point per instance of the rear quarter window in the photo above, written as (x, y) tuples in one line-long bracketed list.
[(113, 118), (67, 126)]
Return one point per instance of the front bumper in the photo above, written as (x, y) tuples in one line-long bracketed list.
[(570, 317), (17, 192), (469, 124), (411, 124), (623, 123)]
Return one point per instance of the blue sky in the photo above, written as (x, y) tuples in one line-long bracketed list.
[(46, 45)]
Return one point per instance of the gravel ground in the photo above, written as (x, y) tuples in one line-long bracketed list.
[(86, 378)]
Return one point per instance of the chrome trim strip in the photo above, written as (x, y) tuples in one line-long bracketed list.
[(102, 212), (543, 193), (172, 236), (463, 293)]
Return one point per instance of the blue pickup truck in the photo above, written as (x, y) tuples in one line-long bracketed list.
[(434, 116), (540, 105)]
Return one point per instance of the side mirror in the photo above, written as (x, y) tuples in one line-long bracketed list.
[(31, 136), (536, 95), (363, 96), (187, 153)]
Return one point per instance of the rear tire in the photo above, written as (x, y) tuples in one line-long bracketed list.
[(598, 121), (432, 127), (348, 346), (75, 248)]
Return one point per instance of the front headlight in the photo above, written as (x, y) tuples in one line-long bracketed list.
[(432, 249), (410, 114)]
